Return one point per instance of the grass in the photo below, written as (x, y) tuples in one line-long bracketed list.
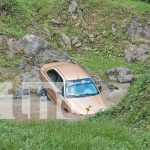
[(98, 63), (6, 62), (71, 135), (134, 109)]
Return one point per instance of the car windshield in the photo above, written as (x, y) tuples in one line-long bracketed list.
[(80, 88)]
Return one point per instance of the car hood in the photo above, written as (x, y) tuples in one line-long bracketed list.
[(88, 105)]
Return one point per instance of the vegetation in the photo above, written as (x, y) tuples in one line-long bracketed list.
[(134, 109), (71, 135)]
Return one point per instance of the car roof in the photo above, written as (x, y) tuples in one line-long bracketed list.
[(71, 71)]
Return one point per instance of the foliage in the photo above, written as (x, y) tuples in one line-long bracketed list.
[(134, 109)]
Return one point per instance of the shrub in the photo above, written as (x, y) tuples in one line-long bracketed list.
[(134, 109)]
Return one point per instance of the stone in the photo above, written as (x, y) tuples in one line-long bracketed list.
[(22, 65), (32, 80), (59, 21), (114, 29), (73, 7), (76, 42), (123, 71), (31, 44), (125, 78), (137, 53), (111, 72), (66, 40), (91, 38), (137, 30), (39, 51), (122, 75), (112, 87)]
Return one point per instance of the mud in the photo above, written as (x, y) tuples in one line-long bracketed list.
[(35, 108)]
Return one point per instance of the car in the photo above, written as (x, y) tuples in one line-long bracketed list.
[(70, 86)]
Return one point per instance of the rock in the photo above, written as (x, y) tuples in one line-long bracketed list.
[(32, 81), (112, 87), (73, 7), (66, 40), (125, 78), (138, 30), (39, 51), (20, 92), (137, 53), (31, 44), (58, 21), (111, 72), (121, 75), (122, 71), (114, 29), (74, 16), (22, 65), (76, 42), (91, 38)]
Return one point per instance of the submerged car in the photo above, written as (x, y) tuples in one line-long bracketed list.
[(70, 86)]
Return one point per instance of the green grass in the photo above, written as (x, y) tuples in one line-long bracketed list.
[(99, 64), (134, 108), (82, 135), (6, 62)]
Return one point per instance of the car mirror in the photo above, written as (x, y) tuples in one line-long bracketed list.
[(100, 88)]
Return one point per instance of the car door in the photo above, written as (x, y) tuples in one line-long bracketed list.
[(52, 77), (56, 84)]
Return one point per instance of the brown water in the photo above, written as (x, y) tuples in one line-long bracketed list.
[(36, 109)]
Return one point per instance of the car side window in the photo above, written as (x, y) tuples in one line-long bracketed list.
[(53, 75), (56, 79), (59, 83)]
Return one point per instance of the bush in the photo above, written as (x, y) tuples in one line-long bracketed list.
[(134, 109)]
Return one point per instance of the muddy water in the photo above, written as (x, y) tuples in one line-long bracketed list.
[(34, 108)]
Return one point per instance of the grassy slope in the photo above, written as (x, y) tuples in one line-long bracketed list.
[(97, 18), (134, 109), (82, 135)]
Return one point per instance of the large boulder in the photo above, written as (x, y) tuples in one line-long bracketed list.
[(137, 53), (38, 51), (121, 75), (31, 44), (138, 30)]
